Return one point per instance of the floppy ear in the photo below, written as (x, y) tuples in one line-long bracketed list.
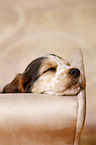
[(24, 82), (31, 74), (14, 86), (20, 84)]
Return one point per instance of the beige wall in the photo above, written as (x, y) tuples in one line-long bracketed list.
[(31, 28)]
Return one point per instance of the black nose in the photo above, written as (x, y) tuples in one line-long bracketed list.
[(74, 72)]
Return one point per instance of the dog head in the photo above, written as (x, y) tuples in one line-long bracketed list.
[(48, 74)]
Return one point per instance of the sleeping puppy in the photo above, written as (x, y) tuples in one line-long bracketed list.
[(48, 74)]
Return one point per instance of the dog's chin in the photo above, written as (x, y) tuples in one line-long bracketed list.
[(68, 92)]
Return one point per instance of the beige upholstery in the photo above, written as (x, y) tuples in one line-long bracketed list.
[(32, 119)]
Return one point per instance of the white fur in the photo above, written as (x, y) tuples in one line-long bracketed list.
[(56, 83)]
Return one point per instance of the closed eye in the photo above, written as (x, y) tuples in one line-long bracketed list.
[(52, 69)]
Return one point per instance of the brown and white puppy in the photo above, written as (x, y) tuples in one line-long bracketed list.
[(48, 74)]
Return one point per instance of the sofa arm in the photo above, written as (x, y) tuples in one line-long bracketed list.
[(33, 119)]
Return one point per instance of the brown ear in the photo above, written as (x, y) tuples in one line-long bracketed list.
[(24, 82), (14, 86)]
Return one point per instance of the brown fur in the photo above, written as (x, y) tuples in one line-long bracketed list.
[(14, 86), (23, 82)]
